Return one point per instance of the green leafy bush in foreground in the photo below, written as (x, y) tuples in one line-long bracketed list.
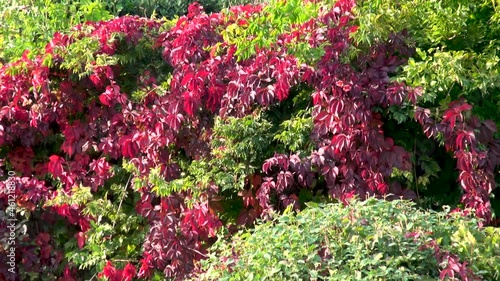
[(371, 240), (168, 9)]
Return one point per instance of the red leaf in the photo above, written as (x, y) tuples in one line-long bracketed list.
[(144, 209), (187, 78), (55, 165), (256, 181), (101, 167), (105, 99), (174, 121), (382, 187), (146, 269), (244, 218), (191, 102), (336, 107), (69, 147), (465, 107), (110, 272), (80, 239), (285, 180), (464, 139), (330, 172), (129, 272), (67, 275), (248, 198), (490, 125), (451, 116), (341, 142), (129, 147), (268, 164), (23, 203)]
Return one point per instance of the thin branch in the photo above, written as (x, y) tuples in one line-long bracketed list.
[(123, 197)]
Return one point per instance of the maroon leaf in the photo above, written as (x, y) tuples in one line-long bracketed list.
[(80, 238)]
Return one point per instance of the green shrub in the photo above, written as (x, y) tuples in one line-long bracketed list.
[(30, 24), (371, 240), (277, 17)]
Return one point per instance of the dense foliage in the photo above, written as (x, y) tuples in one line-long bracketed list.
[(168, 9), (30, 24), (457, 58), (134, 140), (370, 240)]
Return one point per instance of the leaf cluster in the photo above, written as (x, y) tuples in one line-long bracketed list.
[(370, 240)]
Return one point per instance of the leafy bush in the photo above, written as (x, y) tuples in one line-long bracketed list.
[(370, 240), (30, 25)]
